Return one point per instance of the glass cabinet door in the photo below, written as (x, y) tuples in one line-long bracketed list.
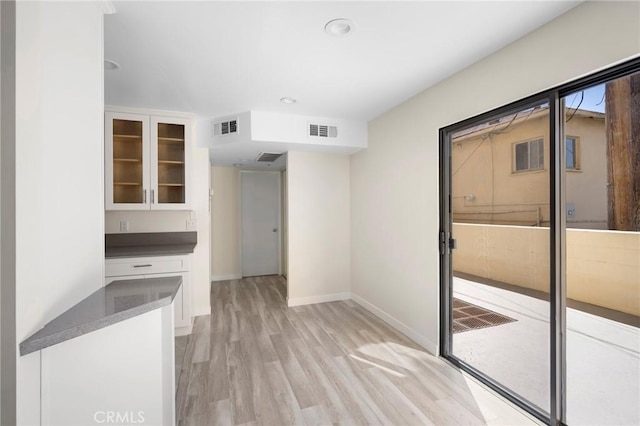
[(127, 162), (127, 152), (171, 163), (170, 157)]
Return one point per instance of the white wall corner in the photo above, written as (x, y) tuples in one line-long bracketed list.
[(226, 277), (427, 344), (318, 299), (107, 7), (201, 311)]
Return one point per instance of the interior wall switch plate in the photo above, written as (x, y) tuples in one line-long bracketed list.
[(124, 226), (192, 225)]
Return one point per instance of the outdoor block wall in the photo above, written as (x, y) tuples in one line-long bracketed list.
[(603, 267)]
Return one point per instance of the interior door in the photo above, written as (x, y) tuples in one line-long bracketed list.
[(260, 198)]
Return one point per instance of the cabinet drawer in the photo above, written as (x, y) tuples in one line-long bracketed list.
[(145, 266)]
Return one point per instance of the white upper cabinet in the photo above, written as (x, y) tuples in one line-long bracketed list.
[(147, 162)]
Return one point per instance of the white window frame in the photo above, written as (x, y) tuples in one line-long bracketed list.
[(514, 168), (576, 153)]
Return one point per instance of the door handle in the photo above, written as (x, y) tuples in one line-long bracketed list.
[(453, 244), (275, 229)]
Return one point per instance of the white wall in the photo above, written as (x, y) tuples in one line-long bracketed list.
[(59, 172), (264, 126), (289, 128), (176, 221), (284, 226), (225, 224), (394, 183), (319, 259)]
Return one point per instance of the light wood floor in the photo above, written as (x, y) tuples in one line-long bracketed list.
[(254, 361)]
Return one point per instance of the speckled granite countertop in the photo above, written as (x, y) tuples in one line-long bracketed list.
[(149, 244), (114, 303)]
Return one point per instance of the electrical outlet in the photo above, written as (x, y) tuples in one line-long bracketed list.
[(192, 224), (124, 226)]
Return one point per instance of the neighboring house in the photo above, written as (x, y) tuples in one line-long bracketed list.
[(501, 170)]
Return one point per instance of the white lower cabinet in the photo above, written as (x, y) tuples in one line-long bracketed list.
[(120, 374), (157, 267)]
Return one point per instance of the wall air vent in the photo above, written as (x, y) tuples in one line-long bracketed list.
[(268, 157), (323, 131), (225, 127)]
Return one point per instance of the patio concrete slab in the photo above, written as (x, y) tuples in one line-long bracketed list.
[(603, 356)]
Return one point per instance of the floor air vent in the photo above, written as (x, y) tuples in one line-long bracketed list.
[(467, 316), (268, 157), (323, 131), (225, 127)]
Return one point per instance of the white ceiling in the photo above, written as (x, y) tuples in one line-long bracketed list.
[(219, 58)]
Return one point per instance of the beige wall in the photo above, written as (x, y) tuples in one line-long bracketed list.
[(394, 183), (225, 224), (587, 187), (176, 221), (517, 255), (483, 164), (319, 258), (603, 267)]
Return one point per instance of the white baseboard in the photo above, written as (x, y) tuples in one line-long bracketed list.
[(225, 277), (318, 299), (183, 331), (204, 310), (397, 324)]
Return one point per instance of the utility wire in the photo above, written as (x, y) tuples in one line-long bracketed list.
[(469, 157), (491, 133), (578, 107)]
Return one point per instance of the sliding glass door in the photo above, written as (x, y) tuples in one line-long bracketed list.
[(540, 250), (602, 234)]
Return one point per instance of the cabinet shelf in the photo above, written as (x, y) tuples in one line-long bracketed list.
[(170, 162), (128, 160), (128, 136), (127, 183), (171, 184), (170, 139)]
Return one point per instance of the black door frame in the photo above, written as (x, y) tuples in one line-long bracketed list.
[(557, 355)]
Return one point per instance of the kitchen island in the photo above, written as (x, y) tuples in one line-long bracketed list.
[(110, 356)]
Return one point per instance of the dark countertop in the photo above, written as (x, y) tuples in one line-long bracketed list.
[(149, 244), (118, 301)]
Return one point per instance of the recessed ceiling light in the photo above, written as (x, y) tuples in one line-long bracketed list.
[(110, 65), (287, 100), (339, 27)]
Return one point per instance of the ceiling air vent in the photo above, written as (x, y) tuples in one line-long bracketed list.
[(268, 157), (225, 127), (323, 131)]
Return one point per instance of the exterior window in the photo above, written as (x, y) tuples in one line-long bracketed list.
[(572, 153), (529, 155)]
